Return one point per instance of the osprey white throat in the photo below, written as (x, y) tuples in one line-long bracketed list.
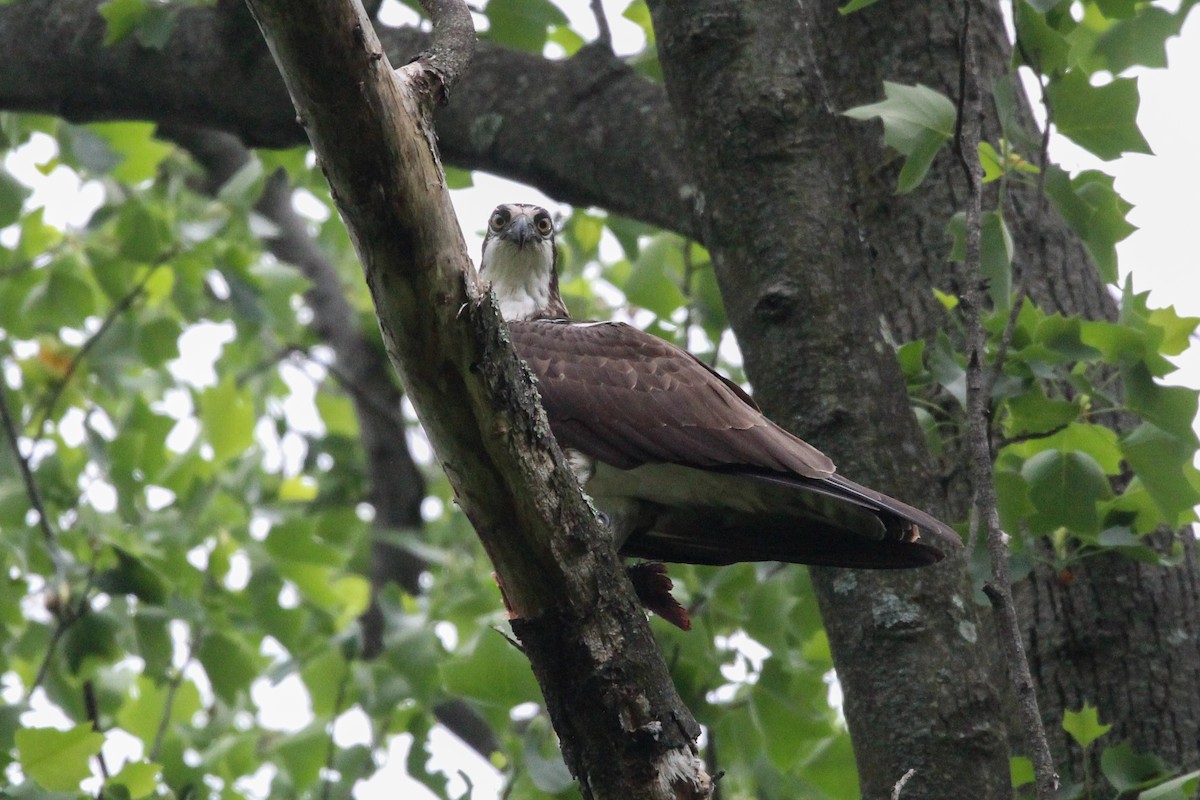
[(681, 461)]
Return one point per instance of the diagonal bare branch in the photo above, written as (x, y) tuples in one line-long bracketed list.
[(624, 730)]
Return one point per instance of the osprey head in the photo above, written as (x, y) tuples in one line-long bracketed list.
[(519, 259)]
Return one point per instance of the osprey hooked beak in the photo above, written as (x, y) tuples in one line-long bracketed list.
[(680, 460), (520, 259)]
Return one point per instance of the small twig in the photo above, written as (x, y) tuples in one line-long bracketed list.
[(164, 721), (984, 513), (899, 787), (66, 617), (46, 407), (92, 709), (1033, 437), (32, 491), (604, 36)]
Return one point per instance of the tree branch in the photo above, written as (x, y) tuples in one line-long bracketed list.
[(210, 74), (49, 536), (48, 403), (623, 729), (984, 512)]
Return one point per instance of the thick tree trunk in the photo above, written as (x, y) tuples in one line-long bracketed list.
[(808, 238), (776, 172), (1125, 638)]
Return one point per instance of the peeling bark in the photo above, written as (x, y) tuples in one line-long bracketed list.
[(624, 730)]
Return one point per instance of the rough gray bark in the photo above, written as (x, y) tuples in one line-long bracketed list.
[(776, 107), (624, 731), (774, 167), (1125, 638), (1121, 635)]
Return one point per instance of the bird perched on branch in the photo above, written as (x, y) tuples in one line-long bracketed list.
[(680, 461)]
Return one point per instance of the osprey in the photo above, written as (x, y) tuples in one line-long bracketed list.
[(680, 461)]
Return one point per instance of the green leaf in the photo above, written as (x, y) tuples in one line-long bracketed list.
[(1127, 770), (92, 637), (1163, 463), (856, 5), (946, 370), (139, 777), (1040, 46), (993, 164), (229, 663), (338, 414), (156, 27), (121, 18), (494, 673), (948, 301), (544, 761), (1020, 770), (917, 121), (1093, 209), (324, 675), (302, 754), (1063, 335), (131, 575), (1182, 788), (1064, 488), (458, 178), (1177, 330), (1102, 119), (227, 418), (142, 715), (1033, 412), (296, 540), (1171, 408), (654, 282), (1099, 442), (36, 236), (1084, 725), (158, 339), (154, 640), (142, 231), (64, 299), (58, 760), (1117, 9), (638, 13), (1141, 40), (522, 24), (243, 187), (12, 198), (140, 152), (566, 38)]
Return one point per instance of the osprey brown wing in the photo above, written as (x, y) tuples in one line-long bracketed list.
[(628, 398)]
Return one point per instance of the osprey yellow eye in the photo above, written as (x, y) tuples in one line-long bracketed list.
[(544, 225), (498, 221)]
